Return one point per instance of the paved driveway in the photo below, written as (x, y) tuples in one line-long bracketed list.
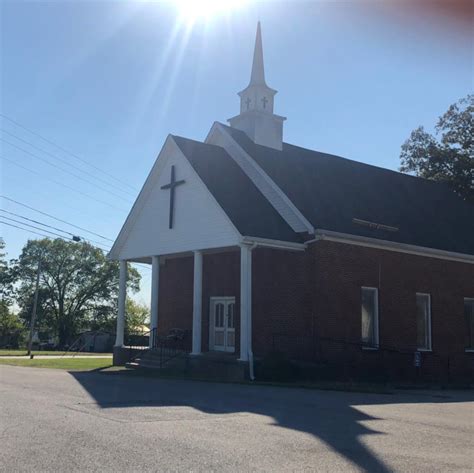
[(52, 420)]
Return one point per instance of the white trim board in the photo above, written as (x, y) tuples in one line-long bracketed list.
[(219, 136), (391, 246), (278, 244)]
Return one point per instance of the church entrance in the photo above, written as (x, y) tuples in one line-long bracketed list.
[(222, 324)]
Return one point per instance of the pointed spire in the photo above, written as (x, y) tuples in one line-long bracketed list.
[(258, 72), (256, 117)]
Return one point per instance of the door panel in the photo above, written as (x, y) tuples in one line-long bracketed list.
[(219, 326), (222, 329), (230, 329)]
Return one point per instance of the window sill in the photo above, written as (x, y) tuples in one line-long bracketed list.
[(370, 348), (425, 350), (469, 350)]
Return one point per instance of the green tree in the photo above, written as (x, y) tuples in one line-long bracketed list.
[(76, 279), (6, 275), (12, 329), (45, 318), (3, 263), (449, 156), (136, 315)]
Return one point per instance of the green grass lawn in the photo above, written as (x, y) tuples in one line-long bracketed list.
[(22, 351), (70, 364)]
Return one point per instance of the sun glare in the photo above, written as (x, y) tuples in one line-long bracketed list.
[(193, 10)]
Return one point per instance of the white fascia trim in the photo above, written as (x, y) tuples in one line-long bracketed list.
[(269, 243), (391, 246), (304, 221)]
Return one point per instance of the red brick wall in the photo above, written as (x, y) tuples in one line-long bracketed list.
[(307, 304), (175, 301), (342, 269), (282, 284)]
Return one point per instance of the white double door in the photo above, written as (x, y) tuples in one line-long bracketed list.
[(222, 324)]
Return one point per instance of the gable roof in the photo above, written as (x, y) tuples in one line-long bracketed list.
[(242, 201), (331, 191)]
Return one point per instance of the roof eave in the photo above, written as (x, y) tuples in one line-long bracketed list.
[(358, 240)]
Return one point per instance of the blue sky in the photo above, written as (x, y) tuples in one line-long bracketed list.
[(109, 80)]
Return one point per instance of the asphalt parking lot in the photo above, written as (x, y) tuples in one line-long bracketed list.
[(53, 420)]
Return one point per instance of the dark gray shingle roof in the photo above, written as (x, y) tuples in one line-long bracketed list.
[(331, 191), (242, 201)]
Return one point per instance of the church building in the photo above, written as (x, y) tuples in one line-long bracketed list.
[(258, 246)]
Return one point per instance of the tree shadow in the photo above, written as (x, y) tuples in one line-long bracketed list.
[(327, 415)]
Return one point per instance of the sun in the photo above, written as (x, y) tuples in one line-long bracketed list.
[(193, 10)]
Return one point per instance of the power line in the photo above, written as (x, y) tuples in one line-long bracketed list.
[(46, 236), (24, 229), (66, 151), (43, 230), (50, 226), (55, 218), (104, 248), (82, 238), (64, 170), (61, 184), (29, 225), (61, 237), (63, 160), (35, 221)]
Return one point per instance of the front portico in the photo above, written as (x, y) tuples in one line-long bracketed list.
[(220, 316)]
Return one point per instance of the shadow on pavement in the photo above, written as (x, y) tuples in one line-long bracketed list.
[(327, 415)]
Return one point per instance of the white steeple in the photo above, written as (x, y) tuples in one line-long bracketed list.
[(256, 116), (258, 71)]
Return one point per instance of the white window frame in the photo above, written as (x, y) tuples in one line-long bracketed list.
[(430, 339), (468, 299), (375, 290)]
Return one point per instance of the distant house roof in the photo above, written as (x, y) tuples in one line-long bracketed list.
[(244, 204), (346, 196)]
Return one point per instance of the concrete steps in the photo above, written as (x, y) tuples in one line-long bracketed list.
[(215, 366)]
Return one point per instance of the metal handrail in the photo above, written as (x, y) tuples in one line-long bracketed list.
[(313, 348), (167, 346), (134, 349), (406, 350)]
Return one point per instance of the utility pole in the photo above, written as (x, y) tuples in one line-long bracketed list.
[(33, 315)]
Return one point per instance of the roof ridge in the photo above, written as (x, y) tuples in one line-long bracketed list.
[(179, 137), (330, 155), (365, 164)]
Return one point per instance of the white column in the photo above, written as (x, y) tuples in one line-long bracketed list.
[(121, 303), (197, 303), (155, 284), (245, 302)]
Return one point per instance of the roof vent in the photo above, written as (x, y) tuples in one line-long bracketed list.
[(374, 225)]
